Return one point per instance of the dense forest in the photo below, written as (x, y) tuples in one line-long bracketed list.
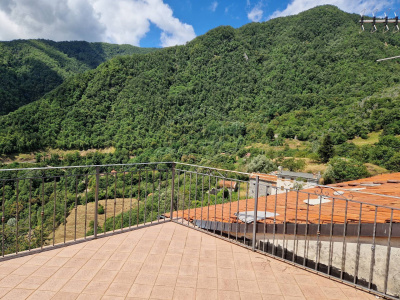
[(31, 68), (312, 78), (300, 77)]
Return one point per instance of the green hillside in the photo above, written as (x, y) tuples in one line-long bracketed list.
[(302, 76), (31, 68)]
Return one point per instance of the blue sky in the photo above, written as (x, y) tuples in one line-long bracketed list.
[(205, 15), (151, 23)]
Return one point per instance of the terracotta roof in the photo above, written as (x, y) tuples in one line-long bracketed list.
[(314, 214), (265, 177), (227, 184)]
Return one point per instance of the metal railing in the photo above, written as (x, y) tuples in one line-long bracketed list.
[(324, 230)]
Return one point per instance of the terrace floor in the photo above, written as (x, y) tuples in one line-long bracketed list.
[(166, 261)]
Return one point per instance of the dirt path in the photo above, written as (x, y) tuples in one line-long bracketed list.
[(80, 218)]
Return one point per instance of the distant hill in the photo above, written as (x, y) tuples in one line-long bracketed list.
[(302, 75), (31, 68)]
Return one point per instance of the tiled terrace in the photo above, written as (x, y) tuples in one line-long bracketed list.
[(166, 261)]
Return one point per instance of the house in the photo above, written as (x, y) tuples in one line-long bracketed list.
[(349, 230), (267, 182), (289, 179)]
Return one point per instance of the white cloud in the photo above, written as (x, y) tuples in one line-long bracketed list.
[(255, 14), (213, 6), (115, 21), (353, 6)]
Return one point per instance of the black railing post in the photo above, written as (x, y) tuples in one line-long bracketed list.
[(172, 191), (255, 213), (96, 202)]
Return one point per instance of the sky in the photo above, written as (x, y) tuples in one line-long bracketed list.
[(152, 23)]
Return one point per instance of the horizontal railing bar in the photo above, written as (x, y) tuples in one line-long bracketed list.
[(356, 192), (82, 166), (77, 175), (215, 176), (216, 169)]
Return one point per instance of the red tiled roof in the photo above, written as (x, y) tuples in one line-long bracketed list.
[(227, 184), (265, 177), (374, 194)]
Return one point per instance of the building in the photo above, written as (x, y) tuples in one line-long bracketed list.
[(351, 230)]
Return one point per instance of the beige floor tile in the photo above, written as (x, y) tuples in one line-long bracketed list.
[(173, 270), (112, 298), (228, 295), (38, 260), (41, 295), (188, 270), (7, 269), (85, 274), (69, 251), (333, 292), (75, 263), (248, 296), (75, 286), (53, 284), (96, 287), (269, 288), (140, 291), (126, 277), (94, 264), (118, 289), (249, 286), (186, 281), (16, 294), (184, 293), (226, 273), (56, 261), (146, 278), (65, 273), (4, 291), (66, 296), (105, 276), (26, 270), (113, 265), (45, 271), (207, 283), (206, 294), (90, 296), (225, 284), (205, 271), (312, 291), (292, 290), (166, 279), (162, 292), (11, 281), (245, 274), (131, 266), (32, 282)]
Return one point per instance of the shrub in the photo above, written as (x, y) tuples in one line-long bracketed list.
[(100, 211), (261, 164), (340, 169)]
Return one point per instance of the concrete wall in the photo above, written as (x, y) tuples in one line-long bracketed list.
[(348, 250)]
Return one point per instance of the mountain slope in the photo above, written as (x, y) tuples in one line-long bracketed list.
[(302, 75), (31, 68)]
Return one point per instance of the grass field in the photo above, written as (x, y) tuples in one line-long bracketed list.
[(373, 138), (82, 211)]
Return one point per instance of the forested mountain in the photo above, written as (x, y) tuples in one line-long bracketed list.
[(302, 75), (31, 68)]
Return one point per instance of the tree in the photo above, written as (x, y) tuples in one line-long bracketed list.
[(326, 150), (341, 169), (270, 134), (261, 164)]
